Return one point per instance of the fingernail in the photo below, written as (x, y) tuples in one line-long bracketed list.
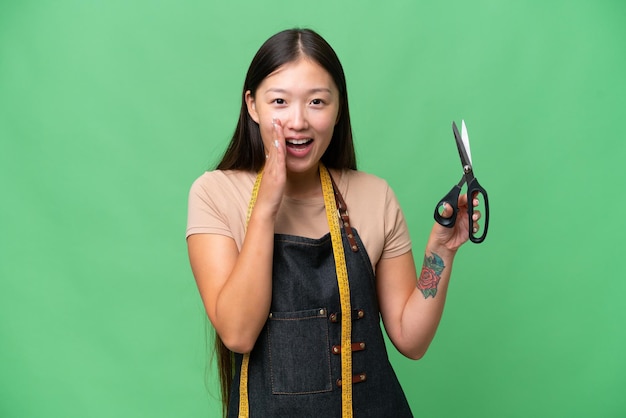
[(475, 229), (276, 143), (274, 122)]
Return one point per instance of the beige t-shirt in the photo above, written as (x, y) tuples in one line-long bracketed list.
[(218, 204)]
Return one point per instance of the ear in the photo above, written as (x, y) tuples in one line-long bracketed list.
[(251, 104)]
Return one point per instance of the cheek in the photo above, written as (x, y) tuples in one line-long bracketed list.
[(266, 133), (265, 124), (265, 116), (267, 130), (326, 123)]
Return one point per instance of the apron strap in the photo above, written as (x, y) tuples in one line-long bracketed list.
[(343, 214)]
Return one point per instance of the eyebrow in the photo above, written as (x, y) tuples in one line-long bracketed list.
[(314, 90)]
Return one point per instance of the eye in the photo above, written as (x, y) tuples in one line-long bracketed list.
[(317, 102), (279, 101)]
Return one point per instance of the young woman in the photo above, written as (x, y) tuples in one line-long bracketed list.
[(294, 291)]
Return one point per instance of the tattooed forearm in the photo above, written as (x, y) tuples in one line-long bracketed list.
[(430, 276)]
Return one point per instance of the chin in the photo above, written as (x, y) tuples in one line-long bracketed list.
[(301, 167)]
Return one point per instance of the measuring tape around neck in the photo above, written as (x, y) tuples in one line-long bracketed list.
[(332, 215), (344, 298)]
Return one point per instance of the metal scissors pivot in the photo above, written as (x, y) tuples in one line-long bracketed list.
[(474, 190)]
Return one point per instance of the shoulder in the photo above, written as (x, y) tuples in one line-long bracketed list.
[(366, 192), (223, 184), (376, 214), (221, 178), (218, 202), (354, 180), (365, 187), (224, 191)]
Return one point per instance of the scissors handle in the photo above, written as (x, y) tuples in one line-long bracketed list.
[(474, 189), (452, 199)]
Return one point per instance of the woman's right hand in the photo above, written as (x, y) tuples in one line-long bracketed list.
[(274, 178)]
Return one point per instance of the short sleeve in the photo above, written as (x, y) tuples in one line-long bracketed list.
[(203, 211), (397, 238), (218, 203)]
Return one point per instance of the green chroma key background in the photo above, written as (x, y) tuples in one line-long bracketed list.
[(110, 109)]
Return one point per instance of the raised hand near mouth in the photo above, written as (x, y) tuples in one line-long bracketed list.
[(272, 185)]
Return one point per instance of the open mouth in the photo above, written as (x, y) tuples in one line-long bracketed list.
[(298, 144)]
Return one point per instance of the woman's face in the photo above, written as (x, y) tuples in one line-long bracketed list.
[(303, 96)]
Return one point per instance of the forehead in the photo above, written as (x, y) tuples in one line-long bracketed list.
[(300, 73)]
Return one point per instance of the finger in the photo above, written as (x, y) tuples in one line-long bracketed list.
[(275, 152), (475, 201), (272, 148), (463, 201), (476, 216), (475, 227), (273, 182), (446, 210), (279, 137)]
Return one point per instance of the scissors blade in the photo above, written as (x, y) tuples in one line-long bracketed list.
[(465, 139), (460, 144)]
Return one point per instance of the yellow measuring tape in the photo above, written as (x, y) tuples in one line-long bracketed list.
[(344, 292), (344, 298), (244, 408)]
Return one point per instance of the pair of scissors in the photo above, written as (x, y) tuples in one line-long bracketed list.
[(474, 190)]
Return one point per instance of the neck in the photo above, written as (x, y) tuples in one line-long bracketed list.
[(303, 185)]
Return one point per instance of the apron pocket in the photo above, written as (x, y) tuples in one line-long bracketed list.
[(299, 353)]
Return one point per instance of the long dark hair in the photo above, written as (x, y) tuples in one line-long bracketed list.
[(245, 151)]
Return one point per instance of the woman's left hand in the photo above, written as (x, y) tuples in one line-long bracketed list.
[(452, 238)]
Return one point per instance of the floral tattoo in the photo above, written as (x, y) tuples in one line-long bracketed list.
[(430, 276)]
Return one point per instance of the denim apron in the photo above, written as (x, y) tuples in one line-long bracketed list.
[(295, 367)]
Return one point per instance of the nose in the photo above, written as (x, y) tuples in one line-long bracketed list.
[(297, 119)]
